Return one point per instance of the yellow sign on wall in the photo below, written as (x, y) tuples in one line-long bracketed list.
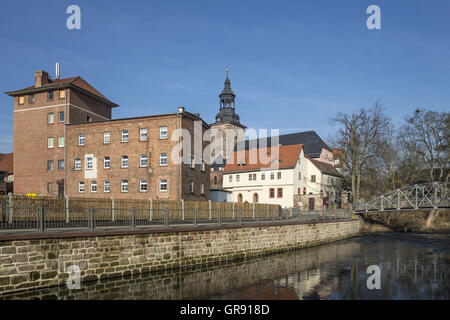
[(31, 195)]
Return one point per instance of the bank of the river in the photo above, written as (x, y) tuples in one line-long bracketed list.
[(28, 264), (413, 266)]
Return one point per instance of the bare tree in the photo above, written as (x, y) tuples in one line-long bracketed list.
[(359, 135), (427, 135)]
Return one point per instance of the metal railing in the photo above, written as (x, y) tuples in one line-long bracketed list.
[(42, 218)]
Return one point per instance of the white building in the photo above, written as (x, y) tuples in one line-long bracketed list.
[(289, 179)]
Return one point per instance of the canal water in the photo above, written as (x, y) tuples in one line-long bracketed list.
[(412, 266)]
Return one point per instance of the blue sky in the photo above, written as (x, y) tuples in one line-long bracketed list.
[(293, 64)]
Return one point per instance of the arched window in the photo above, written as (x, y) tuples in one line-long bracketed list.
[(255, 198), (240, 197), (215, 179)]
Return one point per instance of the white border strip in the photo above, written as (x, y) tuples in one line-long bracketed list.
[(61, 105)]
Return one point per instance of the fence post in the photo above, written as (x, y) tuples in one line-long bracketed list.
[(218, 217), (91, 218), (240, 216), (133, 218), (112, 209), (3, 205), (287, 214), (67, 209), (10, 207), (273, 215), (257, 216), (233, 211), (41, 219), (151, 210), (195, 216), (166, 217), (182, 209), (210, 208), (253, 211)]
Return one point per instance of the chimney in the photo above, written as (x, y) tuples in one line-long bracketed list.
[(41, 78), (180, 110)]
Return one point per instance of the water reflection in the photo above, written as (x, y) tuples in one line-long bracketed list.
[(413, 266)]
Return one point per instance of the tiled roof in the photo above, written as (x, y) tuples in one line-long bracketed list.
[(326, 168), (77, 81), (310, 140), (287, 158), (6, 162)]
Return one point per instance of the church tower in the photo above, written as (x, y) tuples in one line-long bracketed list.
[(226, 119)]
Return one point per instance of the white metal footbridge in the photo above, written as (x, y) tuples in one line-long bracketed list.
[(432, 195)]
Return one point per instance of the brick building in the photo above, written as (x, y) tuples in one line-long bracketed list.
[(48, 119)]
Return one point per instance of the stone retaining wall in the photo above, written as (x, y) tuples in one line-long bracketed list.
[(26, 264)]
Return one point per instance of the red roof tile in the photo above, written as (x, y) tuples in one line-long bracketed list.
[(288, 156), (326, 168)]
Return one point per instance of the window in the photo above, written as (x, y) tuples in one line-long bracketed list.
[(272, 176), (77, 164), (50, 118), (106, 186), (304, 191), (80, 186), (203, 167), (163, 132), (50, 142), (124, 135), (299, 176), (124, 186), (106, 162), (21, 100), (81, 139), (202, 189), (237, 178), (143, 160), (191, 186), (106, 137), (254, 177), (50, 165), (263, 176), (61, 116), (124, 163), (50, 95), (240, 197), (62, 94), (230, 178), (93, 186), (250, 177), (313, 178), (163, 159), (143, 134), (280, 193), (88, 119), (215, 179), (298, 191), (255, 198), (61, 142), (278, 175), (49, 187), (143, 185), (191, 164), (163, 185), (271, 193), (31, 98), (89, 163)]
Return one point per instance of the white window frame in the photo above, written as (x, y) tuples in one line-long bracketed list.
[(124, 134), (61, 161), (230, 178), (106, 183), (94, 184), (81, 187), (77, 164), (141, 157), (161, 157), (141, 136), (122, 161), (107, 160), (50, 142), (142, 183), (202, 189), (124, 183), (163, 182), (81, 140), (163, 132), (50, 118), (237, 178), (191, 186), (106, 137), (61, 145), (59, 113), (191, 163), (89, 163)]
